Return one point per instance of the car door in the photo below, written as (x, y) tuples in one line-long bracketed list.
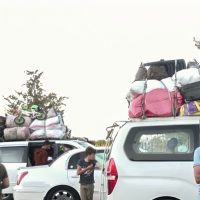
[(74, 178), (14, 158)]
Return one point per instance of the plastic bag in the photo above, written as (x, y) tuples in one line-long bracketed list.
[(157, 103), (17, 133), (187, 76), (10, 122), (51, 113), (138, 86), (53, 134), (49, 124), (190, 109)]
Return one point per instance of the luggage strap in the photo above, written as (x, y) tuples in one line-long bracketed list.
[(176, 89), (143, 100)]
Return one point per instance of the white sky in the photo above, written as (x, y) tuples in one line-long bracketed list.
[(91, 49)]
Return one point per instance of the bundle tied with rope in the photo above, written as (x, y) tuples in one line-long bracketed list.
[(159, 102)]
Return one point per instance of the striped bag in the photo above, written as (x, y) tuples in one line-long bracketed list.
[(190, 109)]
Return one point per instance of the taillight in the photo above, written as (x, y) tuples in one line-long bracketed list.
[(21, 177), (112, 175)]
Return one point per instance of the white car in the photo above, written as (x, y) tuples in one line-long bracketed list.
[(152, 159), (57, 181), (18, 154)]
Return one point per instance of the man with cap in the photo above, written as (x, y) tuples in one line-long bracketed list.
[(41, 154)]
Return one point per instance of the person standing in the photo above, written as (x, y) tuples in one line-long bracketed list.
[(41, 155), (85, 169), (4, 181), (197, 168)]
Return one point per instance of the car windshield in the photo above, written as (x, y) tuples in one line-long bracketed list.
[(85, 144), (13, 154)]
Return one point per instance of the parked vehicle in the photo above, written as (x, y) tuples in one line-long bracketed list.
[(57, 181), (152, 159), (16, 155)]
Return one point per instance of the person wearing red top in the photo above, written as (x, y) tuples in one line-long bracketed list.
[(41, 154)]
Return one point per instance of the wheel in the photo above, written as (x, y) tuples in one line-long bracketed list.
[(7, 197), (19, 120), (166, 198), (62, 193), (41, 116)]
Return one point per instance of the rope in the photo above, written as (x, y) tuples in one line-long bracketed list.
[(176, 88), (143, 100)]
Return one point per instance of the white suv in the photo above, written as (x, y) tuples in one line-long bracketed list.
[(151, 159)]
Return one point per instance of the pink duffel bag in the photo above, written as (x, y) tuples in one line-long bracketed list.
[(157, 103)]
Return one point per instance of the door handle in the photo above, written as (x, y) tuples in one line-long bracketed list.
[(75, 176)]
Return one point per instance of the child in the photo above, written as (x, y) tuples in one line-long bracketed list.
[(85, 169)]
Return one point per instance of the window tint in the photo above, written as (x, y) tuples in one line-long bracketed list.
[(64, 148), (13, 155), (74, 160), (162, 143)]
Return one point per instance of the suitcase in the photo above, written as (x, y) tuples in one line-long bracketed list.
[(191, 92)]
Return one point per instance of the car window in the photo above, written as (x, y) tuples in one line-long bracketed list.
[(164, 142), (100, 156), (75, 158), (13, 155), (64, 148), (161, 143), (85, 144)]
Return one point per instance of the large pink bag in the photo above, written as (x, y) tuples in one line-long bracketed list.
[(157, 103)]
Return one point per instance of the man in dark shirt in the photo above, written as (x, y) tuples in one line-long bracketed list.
[(85, 169), (41, 154), (4, 181)]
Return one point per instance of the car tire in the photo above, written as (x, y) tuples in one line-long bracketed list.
[(166, 199), (61, 192), (7, 197)]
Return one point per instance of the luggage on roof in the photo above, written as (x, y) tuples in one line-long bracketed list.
[(171, 66), (154, 93), (191, 92), (190, 109)]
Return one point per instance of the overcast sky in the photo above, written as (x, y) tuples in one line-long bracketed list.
[(91, 49)]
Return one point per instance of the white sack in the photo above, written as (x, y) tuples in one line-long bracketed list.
[(51, 123), (187, 76), (138, 86), (17, 133), (10, 123), (54, 134), (51, 113)]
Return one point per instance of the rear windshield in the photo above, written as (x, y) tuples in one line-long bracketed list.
[(162, 143), (13, 154)]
